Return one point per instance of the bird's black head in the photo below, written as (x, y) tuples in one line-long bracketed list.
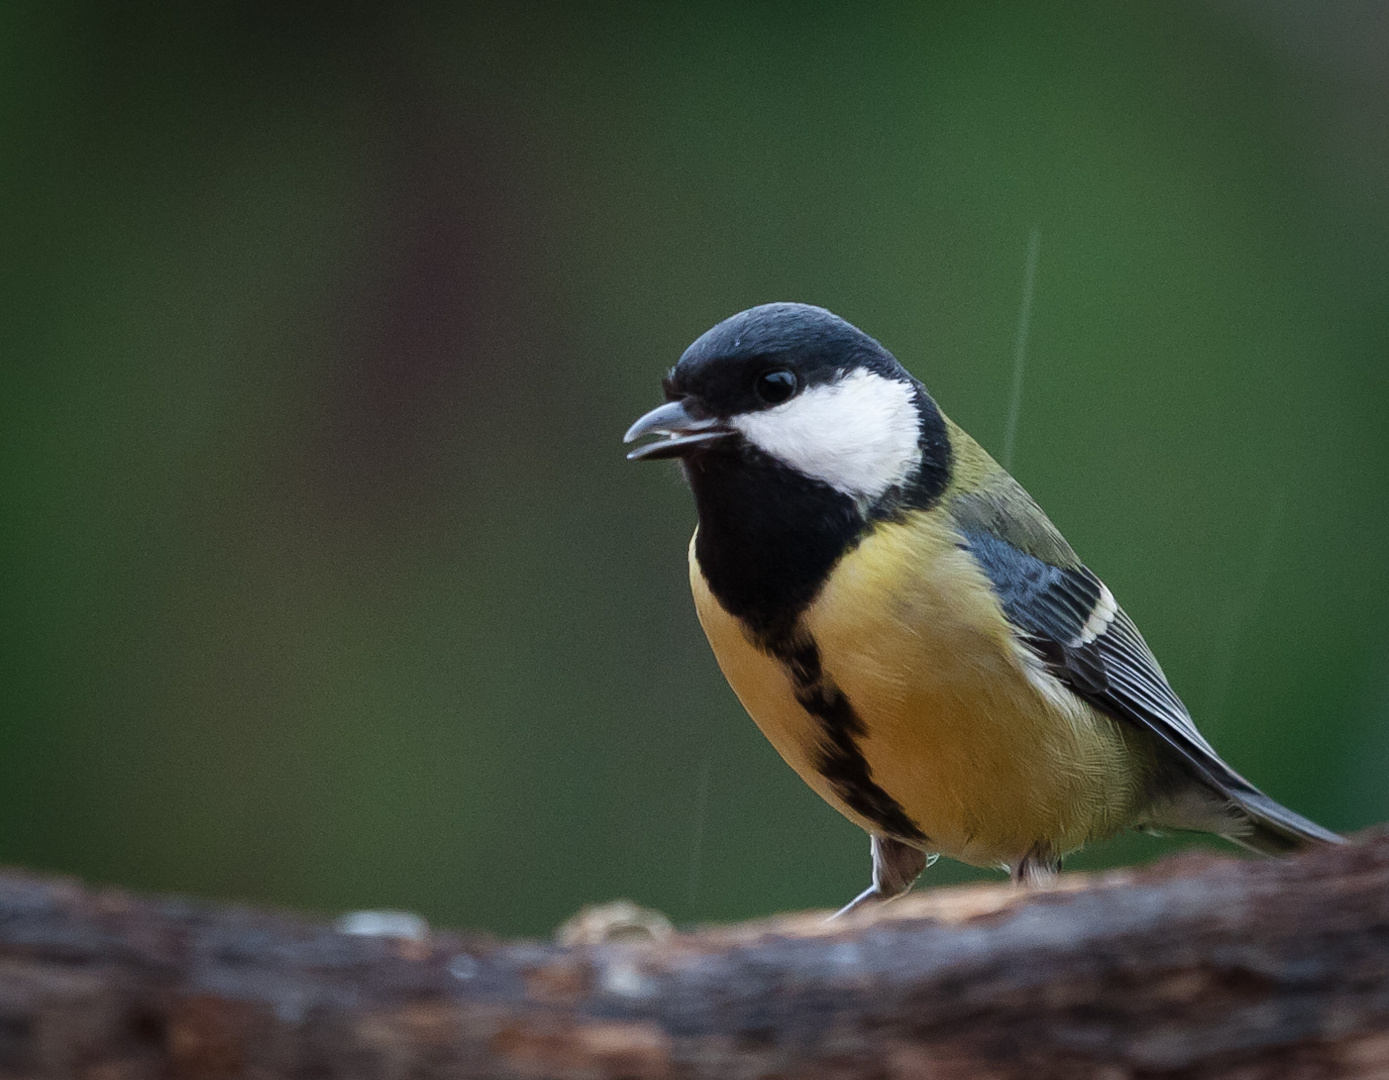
[(796, 430), (799, 385), (761, 357)]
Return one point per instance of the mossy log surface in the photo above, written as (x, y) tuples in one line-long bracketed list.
[(1199, 966)]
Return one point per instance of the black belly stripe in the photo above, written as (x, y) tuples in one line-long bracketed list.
[(839, 759), (768, 540)]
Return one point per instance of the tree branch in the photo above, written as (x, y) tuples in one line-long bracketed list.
[(1199, 967)]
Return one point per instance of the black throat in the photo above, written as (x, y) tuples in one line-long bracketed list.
[(769, 536)]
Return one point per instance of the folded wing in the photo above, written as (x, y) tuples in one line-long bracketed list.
[(1070, 619)]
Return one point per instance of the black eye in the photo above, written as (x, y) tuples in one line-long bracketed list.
[(775, 386)]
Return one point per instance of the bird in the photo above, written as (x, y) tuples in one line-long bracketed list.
[(908, 628)]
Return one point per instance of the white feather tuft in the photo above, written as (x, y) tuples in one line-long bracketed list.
[(1100, 617)]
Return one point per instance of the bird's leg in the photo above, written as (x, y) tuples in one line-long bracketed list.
[(1037, 868), (895, 866)]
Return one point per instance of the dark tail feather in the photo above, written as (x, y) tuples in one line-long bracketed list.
[(1274, 829)]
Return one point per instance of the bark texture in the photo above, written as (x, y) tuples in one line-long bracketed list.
[(1197, 967)]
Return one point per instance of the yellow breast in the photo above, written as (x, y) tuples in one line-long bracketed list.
[(984, 751)]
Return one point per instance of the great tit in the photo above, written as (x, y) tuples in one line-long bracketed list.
[(907, 627)]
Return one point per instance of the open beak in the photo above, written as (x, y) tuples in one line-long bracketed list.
[(683, 433)]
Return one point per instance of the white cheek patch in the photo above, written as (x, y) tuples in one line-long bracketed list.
[(859, 435)]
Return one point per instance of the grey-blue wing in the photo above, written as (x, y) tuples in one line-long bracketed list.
[(1070, 619)]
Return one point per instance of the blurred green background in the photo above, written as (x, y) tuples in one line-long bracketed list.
[(325, 581)]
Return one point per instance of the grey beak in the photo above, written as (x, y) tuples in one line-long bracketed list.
[(683, 432)]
